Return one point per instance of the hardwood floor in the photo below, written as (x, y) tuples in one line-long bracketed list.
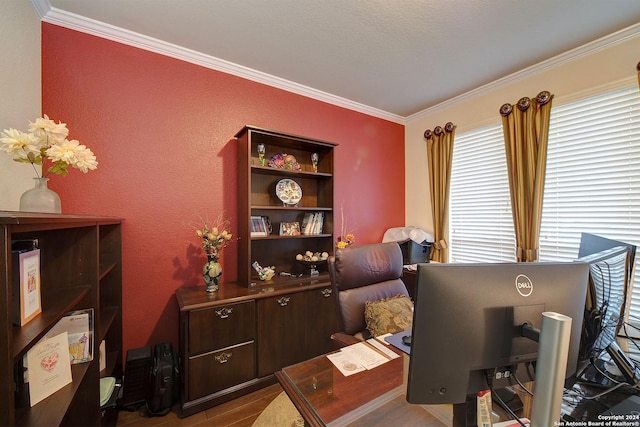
[(241, 412)]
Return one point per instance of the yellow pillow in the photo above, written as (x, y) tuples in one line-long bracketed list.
[(389, 315)]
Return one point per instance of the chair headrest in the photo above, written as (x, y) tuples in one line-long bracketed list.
[(366, 265)]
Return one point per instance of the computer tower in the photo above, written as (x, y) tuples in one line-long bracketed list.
[(136, 377)]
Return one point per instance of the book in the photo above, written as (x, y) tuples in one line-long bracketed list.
[(319, 219), (49, 367), (312, 223), (79, 328), (26, 298), (307, 222), (258, 227)]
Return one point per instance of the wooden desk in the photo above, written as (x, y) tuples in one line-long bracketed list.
[(323, 396)]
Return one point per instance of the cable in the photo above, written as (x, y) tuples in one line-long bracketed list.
[(522, 386), (607, 391), (504, 406)]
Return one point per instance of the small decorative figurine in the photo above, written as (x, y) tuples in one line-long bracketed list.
[(314, 161), (265, 273), (261, 152)]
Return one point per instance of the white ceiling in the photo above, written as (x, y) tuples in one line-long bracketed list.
[(396, 57)]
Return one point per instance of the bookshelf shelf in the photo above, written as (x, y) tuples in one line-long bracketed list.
[(256, 197), (80, 268)]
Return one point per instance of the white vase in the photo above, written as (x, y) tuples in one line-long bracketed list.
[(40, 198)]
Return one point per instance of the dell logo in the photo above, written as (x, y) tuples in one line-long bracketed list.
[(524, 286)]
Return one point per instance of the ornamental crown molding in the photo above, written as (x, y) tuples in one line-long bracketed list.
[(82, 24), (551, 63)]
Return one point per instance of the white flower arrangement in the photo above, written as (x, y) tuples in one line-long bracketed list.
[(47, 141)]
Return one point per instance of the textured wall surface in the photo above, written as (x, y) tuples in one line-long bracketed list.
[(162, 130)]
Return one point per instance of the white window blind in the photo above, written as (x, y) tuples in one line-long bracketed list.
[(480, 222), (593, 176), (592, 184)]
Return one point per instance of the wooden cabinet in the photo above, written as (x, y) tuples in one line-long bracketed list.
[(321, 321), (81, 268), (232, 342), (257, 198), (296, 327), (221, 347), (281, 332)]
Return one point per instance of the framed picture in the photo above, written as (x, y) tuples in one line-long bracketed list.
[(26, 287), (289, 228)]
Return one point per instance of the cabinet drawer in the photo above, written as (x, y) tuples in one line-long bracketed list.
[(215, 371), (221, 326)]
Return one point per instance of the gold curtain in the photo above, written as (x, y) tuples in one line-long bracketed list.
[(439, 156), (526, 133)]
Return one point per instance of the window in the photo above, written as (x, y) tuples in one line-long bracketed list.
[(592, 184), (480, 221)]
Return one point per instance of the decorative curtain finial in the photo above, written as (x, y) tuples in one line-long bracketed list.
[(449, 127), (428, 134), (638, 67), (543, 97), (506, 109), (438, 131), (524, 103)]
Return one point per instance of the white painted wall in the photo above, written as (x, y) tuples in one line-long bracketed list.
[(20, 90), (608, 62)]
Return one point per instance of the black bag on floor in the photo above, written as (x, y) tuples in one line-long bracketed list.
[(164, 380)]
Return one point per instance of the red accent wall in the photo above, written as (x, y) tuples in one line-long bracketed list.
[(162, 130)]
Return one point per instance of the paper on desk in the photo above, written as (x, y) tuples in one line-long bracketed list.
[(383, 348), (345, 363), (356, 358)]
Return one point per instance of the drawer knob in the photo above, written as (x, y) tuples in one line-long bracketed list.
[(326, 292), (223, 313), (283, 301), (223, 358)]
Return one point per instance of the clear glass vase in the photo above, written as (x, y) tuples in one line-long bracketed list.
[(40, 198)]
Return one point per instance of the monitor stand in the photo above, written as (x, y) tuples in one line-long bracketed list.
[(464, 414), (626, 365), (611, 367)]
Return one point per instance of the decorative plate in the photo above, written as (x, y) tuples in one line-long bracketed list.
[(288, 191), (284, 161)]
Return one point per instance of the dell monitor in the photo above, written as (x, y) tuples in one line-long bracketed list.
[(468, 322), (610, 272)]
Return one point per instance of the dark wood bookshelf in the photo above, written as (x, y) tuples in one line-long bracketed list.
[(80, 268)]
